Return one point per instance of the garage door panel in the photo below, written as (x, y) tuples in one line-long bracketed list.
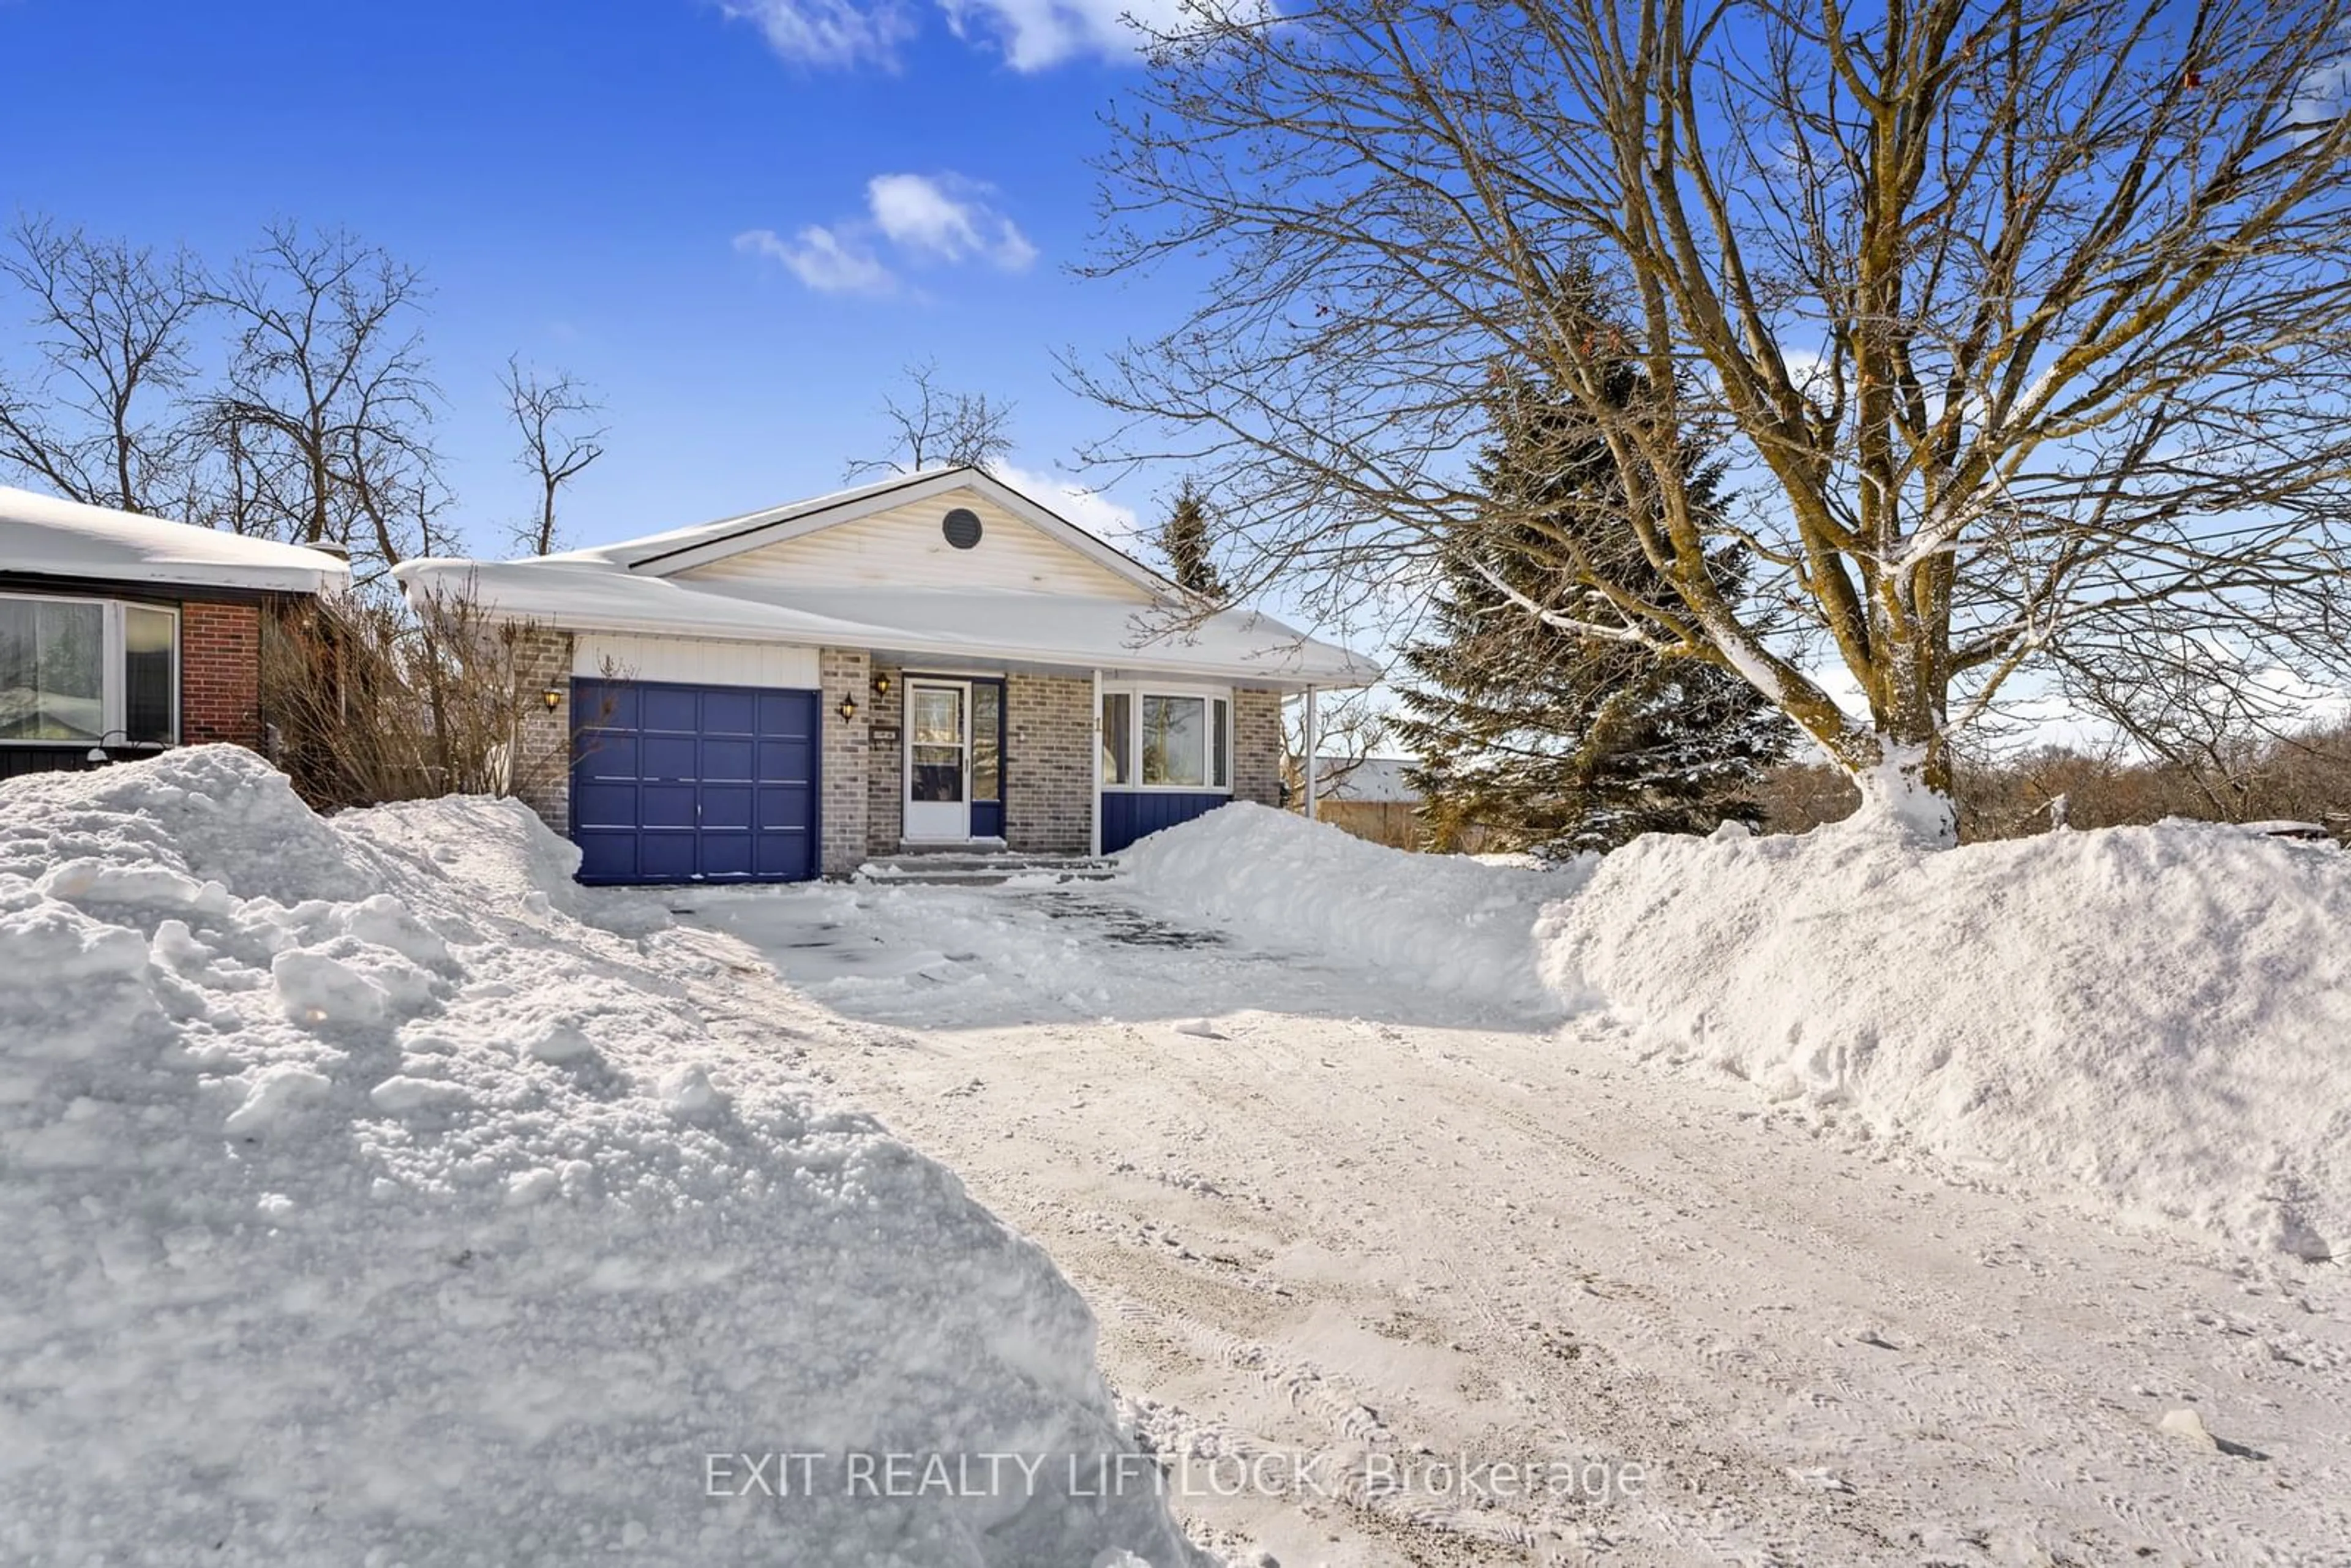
[(606, 856), (727, 855), (785, 761), (668, 857), (681, 783), (727, 759), (786, 714), (725, 807), (667, 806), (671, 756), (670, 710), (729, 712), (598, 703), (784, 807), (605, 806), (778, 858), (607, 754)]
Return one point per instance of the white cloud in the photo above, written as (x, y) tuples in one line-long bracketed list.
[(828, 32), (926, 219), (1030, 35), (1035, 35), (822, 259), (1090, 510), (947, 216)]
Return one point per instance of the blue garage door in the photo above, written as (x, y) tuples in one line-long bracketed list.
[(676, 783)]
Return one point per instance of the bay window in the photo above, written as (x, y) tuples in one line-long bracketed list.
[(1166, 739), (87, 672)]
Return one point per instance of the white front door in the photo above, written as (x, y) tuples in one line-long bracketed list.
[(938, 760)]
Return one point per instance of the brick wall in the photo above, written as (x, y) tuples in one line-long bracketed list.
[(542, 775), (1257, 746), (220, 673), (885, 793), (848, 758), (1049, 783)]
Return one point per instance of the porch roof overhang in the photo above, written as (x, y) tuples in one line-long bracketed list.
[(969, 627)]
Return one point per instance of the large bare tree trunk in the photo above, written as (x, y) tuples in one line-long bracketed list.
[(2022, 323)]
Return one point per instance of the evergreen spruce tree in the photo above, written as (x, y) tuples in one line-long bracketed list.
[(1184, 540), (1544, 735)]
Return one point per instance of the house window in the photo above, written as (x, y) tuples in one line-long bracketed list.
[(1166, 740), (986, 741), (1117, 737), (1176, 741), (87, 672)]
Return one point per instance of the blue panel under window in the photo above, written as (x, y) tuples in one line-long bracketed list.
[(987, 818), (1131, 814)]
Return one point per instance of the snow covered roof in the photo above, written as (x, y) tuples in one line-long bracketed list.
[(636, 586), (679, 549), (1379, 779), (46, 537)]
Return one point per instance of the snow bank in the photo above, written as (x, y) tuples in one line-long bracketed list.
[(364, 1206), (2158, 1018), (2159, 1015), (1442, 921)]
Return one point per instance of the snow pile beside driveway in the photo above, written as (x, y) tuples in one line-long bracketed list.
[(1442, 921), (363, 1206), (2162, 1015), (2158, 1018)]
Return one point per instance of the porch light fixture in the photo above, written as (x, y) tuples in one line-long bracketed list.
[(881, 684), (552, 699), (848, 709)]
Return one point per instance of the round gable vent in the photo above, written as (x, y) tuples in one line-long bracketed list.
[(961, 528)]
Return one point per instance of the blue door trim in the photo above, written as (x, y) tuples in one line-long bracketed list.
[(674, 782)]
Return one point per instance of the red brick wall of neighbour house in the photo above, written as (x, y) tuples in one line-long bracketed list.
[(220, 673)]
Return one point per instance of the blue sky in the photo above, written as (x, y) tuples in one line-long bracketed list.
[(676, 200)]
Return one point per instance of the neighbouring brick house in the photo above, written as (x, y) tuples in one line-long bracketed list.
[(937, 660), (121, 635)]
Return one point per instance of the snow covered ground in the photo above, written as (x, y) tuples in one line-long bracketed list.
[(363, 1205), (373, 1196), (1396, 1268)]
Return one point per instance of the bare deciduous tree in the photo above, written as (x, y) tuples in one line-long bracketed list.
[(101, 421), (548, 412), (1348, 728), (934, 427), (324, 426), (2019, 321)]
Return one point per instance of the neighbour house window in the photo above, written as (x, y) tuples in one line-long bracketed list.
[(1166, 740), (87, 672)]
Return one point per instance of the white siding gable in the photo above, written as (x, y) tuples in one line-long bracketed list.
[(693, 661), (902, 547)]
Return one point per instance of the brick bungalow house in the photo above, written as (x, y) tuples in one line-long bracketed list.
[(121, 635), (937, 660)]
